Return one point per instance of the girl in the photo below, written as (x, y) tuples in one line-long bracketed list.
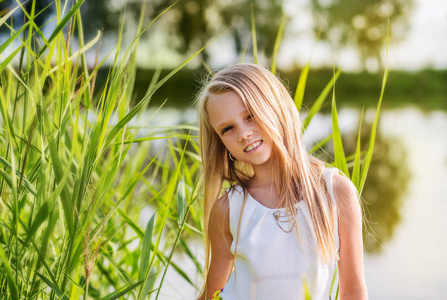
[(284, 223)]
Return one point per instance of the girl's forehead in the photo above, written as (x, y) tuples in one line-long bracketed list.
[(225, 100), (223, 107)]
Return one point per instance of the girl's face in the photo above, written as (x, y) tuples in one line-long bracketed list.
[(238, 130)]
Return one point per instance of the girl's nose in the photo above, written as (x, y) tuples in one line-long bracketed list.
[(245, 133)]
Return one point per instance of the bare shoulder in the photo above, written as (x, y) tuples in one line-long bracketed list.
[(343, 188), (220, 206), (220, 214), (220, 241), (351, 279), (346, 198)]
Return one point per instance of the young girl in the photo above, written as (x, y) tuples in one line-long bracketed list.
[(286, 221)]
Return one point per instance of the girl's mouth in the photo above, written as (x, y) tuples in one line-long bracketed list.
[(253, 146)]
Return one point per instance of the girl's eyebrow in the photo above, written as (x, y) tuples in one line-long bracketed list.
[(225, 123), (221, 125)]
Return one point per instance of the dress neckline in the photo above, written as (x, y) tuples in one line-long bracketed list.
[(249, 196), (279, 208)]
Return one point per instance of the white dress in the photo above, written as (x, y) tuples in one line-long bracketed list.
[(271, 264)]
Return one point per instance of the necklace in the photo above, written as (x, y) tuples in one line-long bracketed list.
[(284, 217)]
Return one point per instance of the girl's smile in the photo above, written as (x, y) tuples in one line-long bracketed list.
[(253, 147), (238, 130)]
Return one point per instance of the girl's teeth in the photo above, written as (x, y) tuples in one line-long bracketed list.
[(252, 146)]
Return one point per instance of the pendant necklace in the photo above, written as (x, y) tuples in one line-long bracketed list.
[(284, 217)]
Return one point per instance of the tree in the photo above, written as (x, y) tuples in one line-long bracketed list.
[(362, 24), (194, 22), (189, 24)]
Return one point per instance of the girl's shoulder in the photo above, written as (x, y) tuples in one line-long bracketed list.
[(346, 198), (219, 222), (220, 212), (344, 189), (220, 207), (232, 199)]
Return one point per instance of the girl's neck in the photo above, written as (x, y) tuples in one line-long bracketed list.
[(261, 187), (258, 181), (263, 176)]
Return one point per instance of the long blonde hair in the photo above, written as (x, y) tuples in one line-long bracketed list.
[(298, 175)]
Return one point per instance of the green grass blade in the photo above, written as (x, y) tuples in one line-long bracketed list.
[(181, 272), (340, 158), (191, 255), (320, 143), (39, 218), (8, 60), (25, 180), (245, 49), (356, 171), (61, 25), (16, 213), (320, 100), (146, 98), (146, 249), (122, 291), (13, 37), (54, 287), (152, 84), (333, 280), (118, 268), (307, 291), (5, 17), (6, 177), (149, 284), (181, 201), (277, 42), (301, 86), (80, 52), (131, 223), (369, 152), (58, 170), (130, 186), (14, 294), (169, 197), (84, 67)]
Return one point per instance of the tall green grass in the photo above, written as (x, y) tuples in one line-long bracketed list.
[(73, 187), (75, 175)]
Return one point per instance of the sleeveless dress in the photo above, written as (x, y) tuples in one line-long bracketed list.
[(270, 263)]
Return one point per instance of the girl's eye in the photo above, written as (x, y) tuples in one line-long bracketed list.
[(249, 117), (226, 129)]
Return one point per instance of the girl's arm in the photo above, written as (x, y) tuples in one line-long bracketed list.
[(351, 279), (220, 239)]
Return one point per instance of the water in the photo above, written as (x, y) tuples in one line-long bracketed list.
[(410, 262), (413, 265)]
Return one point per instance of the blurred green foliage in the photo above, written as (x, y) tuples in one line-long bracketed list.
[(425, 89), (362, 25), (190, 24)]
